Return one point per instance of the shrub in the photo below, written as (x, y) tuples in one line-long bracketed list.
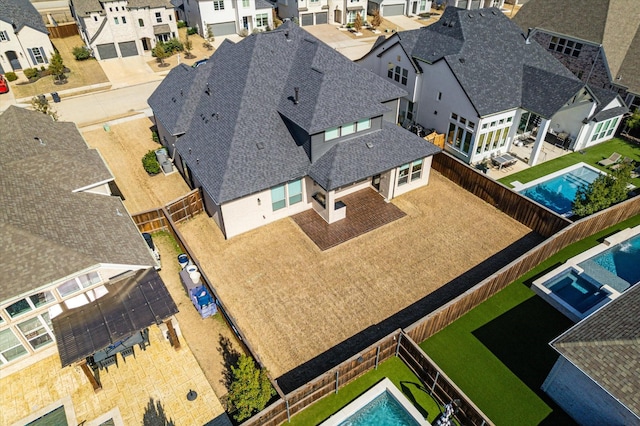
[(11, 76), (244, 32), (172, 46), (250, 388), (150, 163), (181, 24), (81, 53), (192, 31), (154, 136), (31, 73), (603, 192)]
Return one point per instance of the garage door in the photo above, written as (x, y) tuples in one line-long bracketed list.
[(321, 18), (306, 19), (107, 51), (393, 10), (128, 48), (224, 28)]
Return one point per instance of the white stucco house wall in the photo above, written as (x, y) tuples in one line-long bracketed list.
[(399, 7), (474, 4), (224, 17), (476, 78), (24, 39), (121, 28), (315, 12)]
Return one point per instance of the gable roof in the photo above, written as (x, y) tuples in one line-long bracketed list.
[(46, 220), (263, 4), (235, 111), (606, 347), (21, 13), (489, 57), (614, 24), (85, 7)]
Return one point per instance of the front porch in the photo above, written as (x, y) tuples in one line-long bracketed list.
[(366, 211)]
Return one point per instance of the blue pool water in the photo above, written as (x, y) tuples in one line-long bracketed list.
[(384, 410), (622, 259), (576, 290), (559, 192)]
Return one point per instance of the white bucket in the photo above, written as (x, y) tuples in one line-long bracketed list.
[(195, 277), (191, 269)]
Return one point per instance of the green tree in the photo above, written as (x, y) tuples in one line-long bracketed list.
[(250, 388), (376, 21), (357, 24), (276, 20), (160, 53), (56, 67), (188, 45), (603, 192), (633, 122), (40, 103)]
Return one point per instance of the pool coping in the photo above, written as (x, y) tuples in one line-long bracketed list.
[(368, 396), (573, 263)]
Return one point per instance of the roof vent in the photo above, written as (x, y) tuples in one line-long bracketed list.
[(481, 13), (260, 145), (208, 90), (296, 97), (216, 116), (174, 100), (494, 12), (40, 140), (451, 24), (181, 93), (471, 15), (445, 23), (461, 60), (369, 144), (286, 35)]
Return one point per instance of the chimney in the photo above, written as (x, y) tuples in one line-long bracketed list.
[(296, 98)]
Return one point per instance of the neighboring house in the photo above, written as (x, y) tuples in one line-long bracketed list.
[(598, 40), (281, 123), (474, 4), (121, 28), (399, 7), (474, 76), (24, 39), (224, 17), (68, 246), (314, 12), (596, 379)]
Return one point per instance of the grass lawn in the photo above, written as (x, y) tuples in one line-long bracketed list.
[(395, 370), (591, 156), (498, 353)]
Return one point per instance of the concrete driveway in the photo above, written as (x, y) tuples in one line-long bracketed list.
[(405, 22), (340, 41)]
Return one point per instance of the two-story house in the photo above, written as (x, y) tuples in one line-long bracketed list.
[(121, 28), (315, 12), (598, 40), (280, 123), (224, 17), (475, 76), (399, 7), (24, 39)]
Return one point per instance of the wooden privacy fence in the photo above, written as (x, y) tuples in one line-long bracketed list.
[(533, 216), (178, 210), (439, 319), (62, 30)]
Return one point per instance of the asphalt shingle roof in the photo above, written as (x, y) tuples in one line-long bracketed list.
[(85, 7), (488, 55), (614, 24), (52, 230), (263, 4), (236, 112), (21, 13), (606, 347)]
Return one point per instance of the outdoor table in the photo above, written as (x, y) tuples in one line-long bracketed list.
[(504, 160), (118, 347)]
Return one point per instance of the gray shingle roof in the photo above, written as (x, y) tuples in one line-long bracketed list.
[(615, 24), (263, 4), (85, 7), (21, 13), (53, 231), (240, 98), (606, 347), (495, 67), (604, 98)]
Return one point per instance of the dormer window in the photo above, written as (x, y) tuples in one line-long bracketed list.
[(347, 129)]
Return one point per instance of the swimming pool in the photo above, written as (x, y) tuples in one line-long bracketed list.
[(578, 291), (622, 260), (558, 190), (382, 405)]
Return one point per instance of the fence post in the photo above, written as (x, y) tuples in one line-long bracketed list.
[(398, 345), (377, 357), (435, 381), (337, 377), (288, 414)]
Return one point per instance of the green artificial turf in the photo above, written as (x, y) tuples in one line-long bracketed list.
[(395, 370), (590, 156), (498, 353)]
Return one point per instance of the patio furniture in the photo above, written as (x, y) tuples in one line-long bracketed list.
[(613, 159), (107, 362), (127, 352), (636, 172), (504, 160), (625, 162)]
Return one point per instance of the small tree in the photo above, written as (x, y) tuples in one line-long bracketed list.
[(250, 388), (276, 21), (56, 67), (603, 192), (188, 45), (160, 54), (376, 21), (40, 103), (357, 24)]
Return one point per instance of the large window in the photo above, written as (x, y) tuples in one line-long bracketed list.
[(604, 128), (347, 129), (262, 20), (409, 172), (286, 195), (29, 303), (245, 3), (460, 133), (10, 347), (37, 55), (218, 4), (78, 283), (397, 73), (158, 17), (4, 36), (37, 330), (568, 47)]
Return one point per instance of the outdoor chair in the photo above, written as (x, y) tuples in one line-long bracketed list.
[(613, 159), (636, 172), (625, 162), (107, 362), (128, 352)]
